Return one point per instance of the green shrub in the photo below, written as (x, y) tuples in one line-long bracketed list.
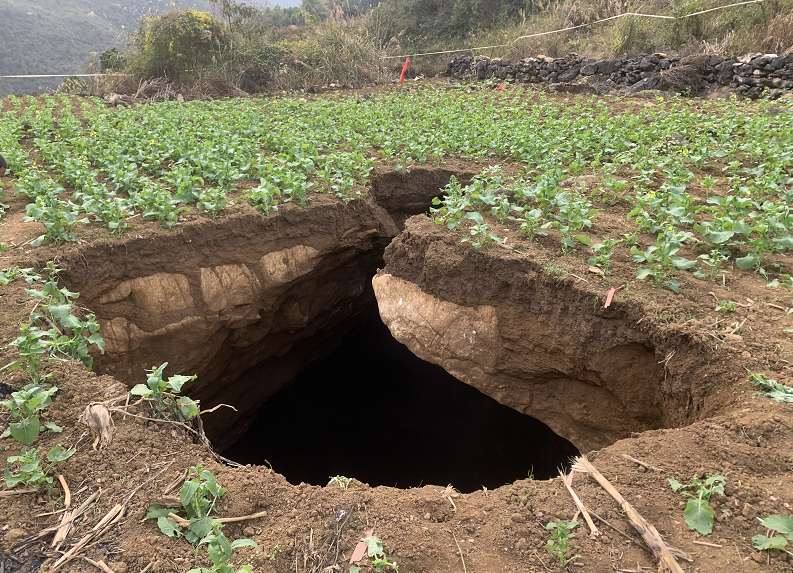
[(179, 43)]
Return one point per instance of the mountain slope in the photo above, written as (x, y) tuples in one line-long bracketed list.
[(63, 36)]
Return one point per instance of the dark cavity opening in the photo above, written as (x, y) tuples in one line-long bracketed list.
[(375, 412)]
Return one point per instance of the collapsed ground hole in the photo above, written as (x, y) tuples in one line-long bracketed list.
[(376, 412)]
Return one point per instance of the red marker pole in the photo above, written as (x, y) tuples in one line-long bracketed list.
[(404, 69)]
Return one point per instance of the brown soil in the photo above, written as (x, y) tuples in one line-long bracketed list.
[(709, 418)]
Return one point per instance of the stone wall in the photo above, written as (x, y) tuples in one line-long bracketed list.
[(752, 75)]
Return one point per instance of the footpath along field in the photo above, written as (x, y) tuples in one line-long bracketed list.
[(678, 209)]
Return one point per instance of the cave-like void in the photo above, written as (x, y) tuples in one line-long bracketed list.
[(375, 412)]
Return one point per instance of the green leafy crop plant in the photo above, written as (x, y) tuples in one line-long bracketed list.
[(162, 396), (25, 468), (198, 497), (698, 513), (55, 332), (561, 540), (720, 170)]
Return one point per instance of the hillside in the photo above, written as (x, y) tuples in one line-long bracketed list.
[(60, 36)]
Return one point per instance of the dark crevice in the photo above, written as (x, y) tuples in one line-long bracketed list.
[(376, 412)]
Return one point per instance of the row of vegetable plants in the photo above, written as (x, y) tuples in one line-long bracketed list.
[(714, 173)]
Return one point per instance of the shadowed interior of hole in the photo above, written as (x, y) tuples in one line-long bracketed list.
[(376, 412)]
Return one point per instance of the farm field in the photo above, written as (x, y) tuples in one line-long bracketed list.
[(659, 226)]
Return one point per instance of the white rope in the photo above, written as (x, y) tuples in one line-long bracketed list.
[(54, 76), (635, 14)]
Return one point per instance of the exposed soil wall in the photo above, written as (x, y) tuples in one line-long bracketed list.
[(245, 302), (540, 344), (404, 194), (234, 300)]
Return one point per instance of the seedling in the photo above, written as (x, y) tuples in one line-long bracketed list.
[(698, 514), (707, 184), (198, 498), (561, 540), (67, 337), (726, 306), (661, 259), (25, 405), (57, 216), (532, 224), (343, 482), (374, 549), (214, 201), (13, 273), (479, 231), (554, 269), (29, 473), (274, 553), (220, 551), (712, 261), (162, 394), (779, 523), (603, 252)]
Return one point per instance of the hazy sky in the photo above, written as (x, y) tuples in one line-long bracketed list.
[(282, 3)]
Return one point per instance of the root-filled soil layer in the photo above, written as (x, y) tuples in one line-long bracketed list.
[(376, 412)]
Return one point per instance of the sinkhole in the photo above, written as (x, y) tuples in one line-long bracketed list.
[(374, 411)]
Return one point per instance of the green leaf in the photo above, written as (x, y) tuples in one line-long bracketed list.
[(141, 390), (763, 543), (699, 516), (189, 489), (475, 216), (643, 273), (716, 484), (39, 240), (57, 454), (683, 263), (97, 339), (718, 237), (53, 427), (584, 240), (749, 261), (219, 549), (187, 407), (12, 480), (157, 511), (354, 569), (70, 321), (60, 311), (26, 431), (243, 543), (175, 383), (201, 526), (373, 545), (168, 527), (781, 524), (676, 485)]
